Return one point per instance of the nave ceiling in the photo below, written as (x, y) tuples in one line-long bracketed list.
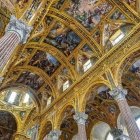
[(66, 35)]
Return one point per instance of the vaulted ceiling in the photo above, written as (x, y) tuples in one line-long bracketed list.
[(67, 33), (70, 37)]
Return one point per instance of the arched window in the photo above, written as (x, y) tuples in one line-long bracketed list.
[(109, 136), (138, 122), (49, 101)]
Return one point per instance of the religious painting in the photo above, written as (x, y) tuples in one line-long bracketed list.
[(64, 79), (135, 68), (86, 59), (117, 15), (103, 92), (45, 61), (63, 38), (88, 12), (114, 33), (30, 79), (45, 95)]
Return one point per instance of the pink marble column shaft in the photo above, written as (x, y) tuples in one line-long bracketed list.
[(8, 44), (119, 95), (17, 32)]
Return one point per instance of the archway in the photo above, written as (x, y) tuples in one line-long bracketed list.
[(46, 130), (100, 131), (100, 107), (68, 125), (8, 125)]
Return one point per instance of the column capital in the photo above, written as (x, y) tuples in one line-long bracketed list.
[(118, 93), (117, 133), (20, 28), (80, 117), (54, 134)]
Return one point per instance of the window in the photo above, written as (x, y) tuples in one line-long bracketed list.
[(66, 85), (117, 37), (12, 97), (87, 65), (26, 98), (138, 122), (49, 101), (109, 137)]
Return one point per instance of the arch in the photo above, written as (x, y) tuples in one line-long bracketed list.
[(54, 52), (91, 87), (48, 126), (69, 128), (99, 131), (8, 129), (79, 29), (61, 113), (39, 72), (124, 63), (14, 115), (31, 92)]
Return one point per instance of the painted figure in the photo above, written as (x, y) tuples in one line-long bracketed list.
[(88, 12)]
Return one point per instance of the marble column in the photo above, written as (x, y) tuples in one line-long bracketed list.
[(80, 118), (54, 135), (119, 95), (17, 32)]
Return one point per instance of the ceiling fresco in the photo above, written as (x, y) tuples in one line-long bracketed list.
[(45, 61), (63, 38), (30, 79), (57, 52), (88, 13), (72, 42)]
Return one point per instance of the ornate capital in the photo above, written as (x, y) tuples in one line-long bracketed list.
[(54, 135), (20, 28), (80, 117), (116, 132), (118, 93)]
